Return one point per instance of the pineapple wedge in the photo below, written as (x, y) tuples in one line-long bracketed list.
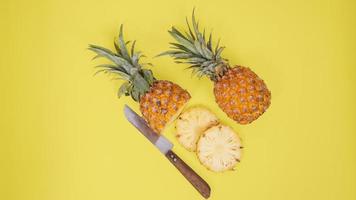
[(219, 148), (191, 124)]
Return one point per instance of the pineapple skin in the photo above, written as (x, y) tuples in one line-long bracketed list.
[(162, 103), (241, 94)]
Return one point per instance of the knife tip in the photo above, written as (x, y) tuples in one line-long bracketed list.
[(126, 109)]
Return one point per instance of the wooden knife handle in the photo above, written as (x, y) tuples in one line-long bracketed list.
[(198, 183)]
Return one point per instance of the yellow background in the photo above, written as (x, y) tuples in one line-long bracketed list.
[(64, 137)]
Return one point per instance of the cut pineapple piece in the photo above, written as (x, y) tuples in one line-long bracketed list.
[(191, 124), (219, 148)]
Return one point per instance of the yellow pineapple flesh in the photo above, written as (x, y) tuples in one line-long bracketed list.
[(191, 124), (219, 148)]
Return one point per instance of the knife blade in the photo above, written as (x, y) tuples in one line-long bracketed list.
[(162, 143), (165, 147)]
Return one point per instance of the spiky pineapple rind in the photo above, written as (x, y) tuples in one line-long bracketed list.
[(162, 104), (242, 95)]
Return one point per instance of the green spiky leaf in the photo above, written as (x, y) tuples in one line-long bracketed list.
[(193, 48), (125, 63), (135, 93), (148, 75), (124, 89)]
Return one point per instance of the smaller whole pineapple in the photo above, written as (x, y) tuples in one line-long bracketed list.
[(160, 101), (238, 91)]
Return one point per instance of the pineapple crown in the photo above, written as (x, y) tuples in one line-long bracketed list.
[(125, 63), (192, 48)]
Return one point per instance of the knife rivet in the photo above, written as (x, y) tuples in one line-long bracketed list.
[(174, 159), (172, 156)]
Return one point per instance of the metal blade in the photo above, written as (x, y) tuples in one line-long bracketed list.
[(159, 141)]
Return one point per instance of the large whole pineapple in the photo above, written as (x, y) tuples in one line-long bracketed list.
[(160, 101), (238, 91)]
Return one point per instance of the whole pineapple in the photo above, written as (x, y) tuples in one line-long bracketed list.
[(238, 91), (160, 101)]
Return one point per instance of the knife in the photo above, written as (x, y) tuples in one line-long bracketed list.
[(165, 147)]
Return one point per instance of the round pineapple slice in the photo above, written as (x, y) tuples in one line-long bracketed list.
[(191, 124), (219, 148)]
